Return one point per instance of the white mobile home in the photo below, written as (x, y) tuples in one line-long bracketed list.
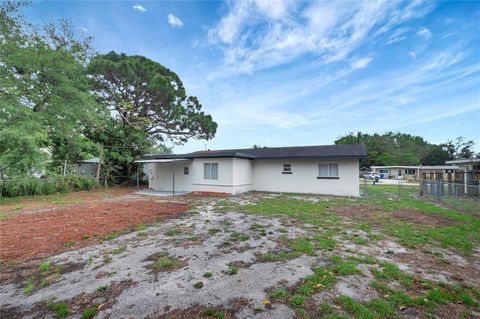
[(409, 171), (327, 169)]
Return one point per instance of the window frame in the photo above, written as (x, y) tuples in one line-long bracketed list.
[(186, 170), (329, 176), (210, 176), (287, 169)]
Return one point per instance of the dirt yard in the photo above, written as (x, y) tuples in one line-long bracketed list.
[(255, 255)]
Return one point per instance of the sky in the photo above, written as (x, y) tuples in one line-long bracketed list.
[(284, 73)]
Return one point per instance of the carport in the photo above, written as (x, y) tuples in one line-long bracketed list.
[(160, 192)]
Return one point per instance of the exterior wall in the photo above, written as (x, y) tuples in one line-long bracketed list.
[(267, 176), (242, 175), (236, 175), (161, 176)]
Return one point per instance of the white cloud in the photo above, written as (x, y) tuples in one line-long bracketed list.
[(264, 33), (174, 21), (397, 36), (85, 30), (361, 63), (139, 8), (412, 54), (424, 33)]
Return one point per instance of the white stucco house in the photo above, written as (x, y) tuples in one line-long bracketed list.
[(326, 169)]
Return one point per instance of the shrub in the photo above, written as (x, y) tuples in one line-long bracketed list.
[(55, 184)]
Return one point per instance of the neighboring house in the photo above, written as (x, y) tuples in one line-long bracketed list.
[(466, 165), (409, 171), (86, 167), (328, 169)]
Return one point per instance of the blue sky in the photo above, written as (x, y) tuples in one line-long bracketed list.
[(278, 73)]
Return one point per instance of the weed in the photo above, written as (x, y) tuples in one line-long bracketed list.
[(198, 285), (256, 227), (278, 293), (297, 300), (102, 288), (165, 262), (112, 236), (214, 230), (118, 250), (227, 222), (90, 312), (172, 232), (233, 270), (236, 236), (107, 259), (3, 216), (29, 286), (207, 275), (140, 227), (85, 237), (213, 313), (45, 266), (60, 308), (69, 244)]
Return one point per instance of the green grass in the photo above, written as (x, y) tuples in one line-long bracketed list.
[(140, 227), (3, 216), (307, 212), (165, 262), (69, 244), (90, 312), (60, 308), (119, 250), (29, 286), (172, 232), (236, 236), (278, 293), (45, 266), (214, 230), (102, 288), (207, 275)]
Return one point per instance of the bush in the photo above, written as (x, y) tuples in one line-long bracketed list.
[(55, 184)]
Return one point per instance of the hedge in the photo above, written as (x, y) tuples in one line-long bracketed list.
[(45, 186)]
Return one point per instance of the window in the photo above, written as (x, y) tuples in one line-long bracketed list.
[(328, 171), (410, 171), (287, 169), (384, 171), (210, 171), (185, 171)]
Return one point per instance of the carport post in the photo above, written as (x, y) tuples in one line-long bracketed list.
[(173, 177)]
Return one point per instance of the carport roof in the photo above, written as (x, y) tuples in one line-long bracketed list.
[(317, 151)]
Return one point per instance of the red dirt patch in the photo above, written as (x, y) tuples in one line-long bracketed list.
[(32, 235)]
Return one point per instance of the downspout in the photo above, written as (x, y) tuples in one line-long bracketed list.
[(173, 177)]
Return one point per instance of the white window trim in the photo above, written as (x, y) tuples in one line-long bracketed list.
[(210, 171), (329, 176)]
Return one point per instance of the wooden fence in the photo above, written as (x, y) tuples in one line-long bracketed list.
[(454, 184)]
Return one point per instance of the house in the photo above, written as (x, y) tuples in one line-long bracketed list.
[(412, 172), (469, 171), (326, 169)]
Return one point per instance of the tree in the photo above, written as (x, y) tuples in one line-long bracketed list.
[(45, 93), (405, 149), (149, 97)]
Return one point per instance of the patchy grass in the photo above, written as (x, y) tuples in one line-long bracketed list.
[(89, 312), (60, 308), (163, 262), (232, 270), (207, 275)]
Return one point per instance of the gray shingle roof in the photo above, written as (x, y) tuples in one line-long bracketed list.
[(317, 151)]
